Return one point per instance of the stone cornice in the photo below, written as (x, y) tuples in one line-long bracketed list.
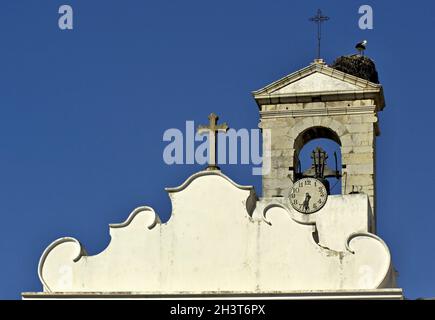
[(322, 96), (318, 112)]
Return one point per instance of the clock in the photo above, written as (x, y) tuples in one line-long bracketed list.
[(308, 195)]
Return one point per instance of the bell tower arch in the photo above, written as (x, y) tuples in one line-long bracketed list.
[(321, 102)]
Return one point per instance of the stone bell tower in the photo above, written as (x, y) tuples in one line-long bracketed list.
[(319, 101)]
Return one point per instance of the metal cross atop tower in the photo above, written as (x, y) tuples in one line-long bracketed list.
[(212, 129), (319, 18)]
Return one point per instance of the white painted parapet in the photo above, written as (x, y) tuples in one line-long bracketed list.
[(222, 239)]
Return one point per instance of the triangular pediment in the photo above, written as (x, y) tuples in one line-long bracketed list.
[(315, 82), (316, 79)]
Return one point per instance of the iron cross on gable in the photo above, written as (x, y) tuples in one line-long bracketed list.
[(212, 129), (319, 18)]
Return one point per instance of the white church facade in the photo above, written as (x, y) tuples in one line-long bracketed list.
[(296, 241)]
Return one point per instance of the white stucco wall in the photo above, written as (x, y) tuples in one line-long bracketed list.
[(221, 239)]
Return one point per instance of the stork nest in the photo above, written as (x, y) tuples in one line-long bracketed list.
[(358, 66)]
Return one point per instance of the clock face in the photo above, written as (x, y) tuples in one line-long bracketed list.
[(308, 195)]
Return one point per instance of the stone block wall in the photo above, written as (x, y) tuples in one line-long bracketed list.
[(355, 131)]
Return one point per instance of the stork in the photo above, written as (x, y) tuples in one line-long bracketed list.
[(361, 47)]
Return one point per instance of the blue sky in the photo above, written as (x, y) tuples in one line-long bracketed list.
[(82, 112)]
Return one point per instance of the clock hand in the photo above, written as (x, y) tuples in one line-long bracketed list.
[(307, 202)]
